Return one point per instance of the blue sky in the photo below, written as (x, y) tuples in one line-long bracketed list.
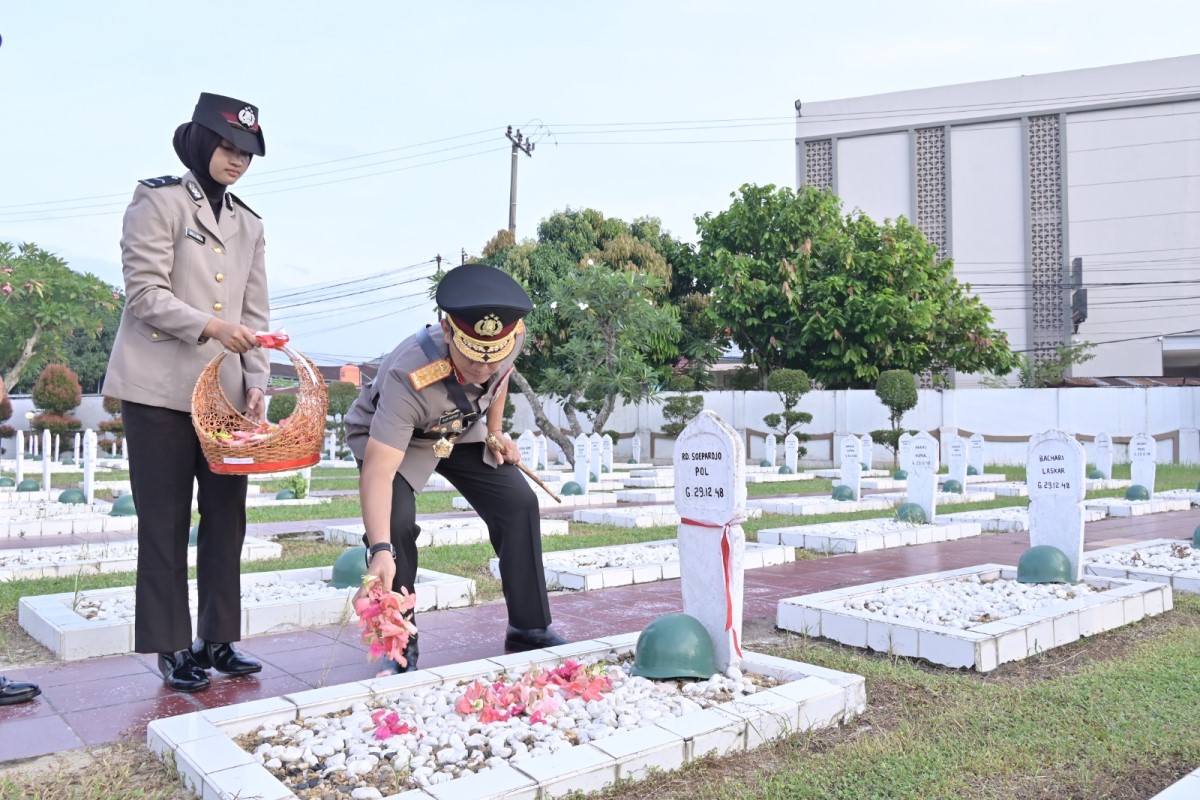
[(385, 121)]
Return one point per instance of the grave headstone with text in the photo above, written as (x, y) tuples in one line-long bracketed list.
[(47, 452), (975, 447), (90, 449), (20, 453), (922, 474), (866, 450), (791, 451), (1104, 455), (956, 460), (527, 447), (636, 448), (583, 452), (606, 454), (1143, 461), (851, 456), (710, 495), (771, 449), (1055, 475), (594, 457), (905, 454), (77, 437)]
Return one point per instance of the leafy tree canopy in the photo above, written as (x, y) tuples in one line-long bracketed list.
[(841, 297)]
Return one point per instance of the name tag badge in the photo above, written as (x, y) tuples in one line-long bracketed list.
[(195, 236)]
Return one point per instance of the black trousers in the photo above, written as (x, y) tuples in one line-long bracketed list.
[(508, 505), (164, 460)]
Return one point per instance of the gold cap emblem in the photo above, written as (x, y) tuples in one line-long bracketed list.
[(490, 325)]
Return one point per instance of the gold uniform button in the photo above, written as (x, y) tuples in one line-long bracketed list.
[(154, 335), (219, 277), (217, 306), (218, 250)]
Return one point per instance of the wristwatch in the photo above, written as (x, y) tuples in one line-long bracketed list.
[(379, 548)]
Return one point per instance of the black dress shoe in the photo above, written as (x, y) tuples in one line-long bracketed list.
[(517, 640), (12, 692), (223, 658), (181, 672), (410, 657)]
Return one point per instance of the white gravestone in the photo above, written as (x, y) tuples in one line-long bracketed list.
[(583, 452), (710, 495), (124, 450), (956, 460), (20, 445), (771, 449), (527, 447), (47, 452), (636, 451), (594, 457), (606, 454), (1104, 455), (77, 437), (541, 448), (1143, 461), (89, 466), (57, 446), (905, 454), (791, 451), (851, 456), (922, 474), (866, 450), (1055, 478), (975, 452)]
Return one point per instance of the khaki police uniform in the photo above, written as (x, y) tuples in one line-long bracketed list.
[(405, 404), (183, 267)]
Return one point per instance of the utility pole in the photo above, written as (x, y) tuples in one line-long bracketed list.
[(519, 145)]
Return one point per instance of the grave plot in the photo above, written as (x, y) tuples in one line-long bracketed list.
[(100, 622), (774, 476), (638, 516), (809, 506), (987, 477), (633, 727), (1192, 497), (57, 519), (1100, 484), (1170, 561), (975, 617), (438, 531), (11, 498), (592, 498), (1001, 489), (1120, 507), (621, 565), (1005, 520), (837, 473), (864, 535), (662, 478), (645, 496), (92, 559), (941, 498), (268, 500), (883, 484)]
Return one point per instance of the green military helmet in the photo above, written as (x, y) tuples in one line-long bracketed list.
[(1044, 564), (123, 507), (1196, 538), (6, 481), (952, 486), (193, 536), (765, 463), (572, 488), (592, 477), (675, 646), (604, 469), (911, 512), (29, 485), (863, 468), (1136, 492), (67, 460), (349, 568), (72, 497), (971, 470), (842, 492), (900, 475), (1095, 475), (786, 470), (632, 461), (285, 494)]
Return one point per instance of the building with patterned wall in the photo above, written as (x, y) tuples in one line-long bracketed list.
[(1037, 187)]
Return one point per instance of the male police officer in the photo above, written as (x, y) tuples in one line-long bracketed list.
[(437, 404)]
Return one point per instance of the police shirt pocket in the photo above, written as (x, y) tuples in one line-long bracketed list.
[(151, 333)]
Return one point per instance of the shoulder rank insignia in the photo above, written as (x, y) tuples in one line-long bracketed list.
[(520, 327), (239, 201), (430, 373), (158, 183)]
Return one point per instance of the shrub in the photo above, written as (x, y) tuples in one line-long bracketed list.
[(57, 424), (5, 408), (745, 379), (112, 405), (57, 390), (679, 383), (897, 390), (678, 412), (113, 429), (281, 407), (790, 385)]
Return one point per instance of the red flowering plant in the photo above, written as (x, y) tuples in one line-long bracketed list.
[(536, 694), (382, 622)]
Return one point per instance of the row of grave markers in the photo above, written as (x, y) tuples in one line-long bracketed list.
[(86, 445)]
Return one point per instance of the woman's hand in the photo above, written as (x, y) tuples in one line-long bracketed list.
[(237, 338), (256, 405)]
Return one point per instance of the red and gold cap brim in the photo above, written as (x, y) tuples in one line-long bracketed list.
[(484, 349)]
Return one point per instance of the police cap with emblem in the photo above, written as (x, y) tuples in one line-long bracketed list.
[(231, 119), (484, 307)]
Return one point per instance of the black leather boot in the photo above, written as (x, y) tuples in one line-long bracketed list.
[(223, 658), (517, 640), (181, 672), (12, 692)]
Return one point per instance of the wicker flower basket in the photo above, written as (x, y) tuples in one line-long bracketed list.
[(293, 445)]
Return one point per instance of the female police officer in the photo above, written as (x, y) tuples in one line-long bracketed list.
[(437, 405), (195, 282)]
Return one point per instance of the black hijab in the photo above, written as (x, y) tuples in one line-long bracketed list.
[(195, 145)]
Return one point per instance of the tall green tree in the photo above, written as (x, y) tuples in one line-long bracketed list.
[(42, 303), (841, 297), (87, 354)]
